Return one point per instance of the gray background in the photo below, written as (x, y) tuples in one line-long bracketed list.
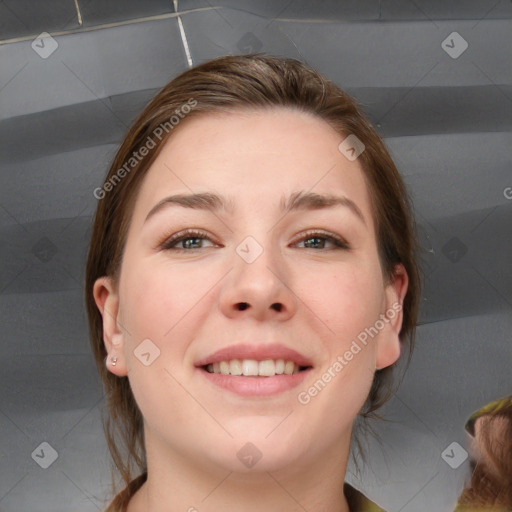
[(446, 121)]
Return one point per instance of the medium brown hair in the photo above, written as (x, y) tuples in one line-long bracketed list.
[(491, 481), (227, 84)]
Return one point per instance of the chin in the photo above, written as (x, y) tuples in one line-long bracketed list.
[(249, 462), (257, 451)]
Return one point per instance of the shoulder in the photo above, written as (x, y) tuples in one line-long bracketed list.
[(358, 502)]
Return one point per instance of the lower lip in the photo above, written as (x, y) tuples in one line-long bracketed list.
[(256, 386)]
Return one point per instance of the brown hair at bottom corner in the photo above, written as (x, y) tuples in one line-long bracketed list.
[(490, 487), (225, 84)]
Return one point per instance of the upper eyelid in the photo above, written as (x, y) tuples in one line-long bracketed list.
[(321, 232), (339, 240), (184, 235)]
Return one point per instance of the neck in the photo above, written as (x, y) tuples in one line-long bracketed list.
[(175, 483)]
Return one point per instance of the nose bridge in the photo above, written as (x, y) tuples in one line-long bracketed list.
[(253, 264), (258, 281)]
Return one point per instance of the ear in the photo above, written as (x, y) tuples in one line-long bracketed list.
[(107, 301), (388, 344)]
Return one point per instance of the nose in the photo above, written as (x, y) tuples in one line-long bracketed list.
[(259, 289)]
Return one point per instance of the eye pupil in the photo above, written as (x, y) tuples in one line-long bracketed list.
[(313, 238), (188, 244)]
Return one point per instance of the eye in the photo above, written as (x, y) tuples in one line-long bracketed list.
[(189, 240), (318, 240), (192, 239)]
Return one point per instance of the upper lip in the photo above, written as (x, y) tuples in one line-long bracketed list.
[(258, 352)]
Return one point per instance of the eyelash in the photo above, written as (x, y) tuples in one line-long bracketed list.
[(169, 243), (179, 237), (339, 243)]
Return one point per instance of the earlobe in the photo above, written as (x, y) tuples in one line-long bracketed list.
[(388, 347), (107, 301)]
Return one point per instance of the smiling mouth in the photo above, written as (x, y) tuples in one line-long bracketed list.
[(254, 368)]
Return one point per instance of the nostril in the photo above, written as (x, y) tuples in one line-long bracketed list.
[(244, 305)]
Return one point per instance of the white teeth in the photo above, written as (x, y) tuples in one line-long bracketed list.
[(267, 368), (235, 367), (251, 367), (224, 368)]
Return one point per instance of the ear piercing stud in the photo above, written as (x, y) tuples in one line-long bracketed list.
[(113, 361)]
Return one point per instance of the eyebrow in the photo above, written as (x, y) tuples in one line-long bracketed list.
[(296, 201), (312, 201)]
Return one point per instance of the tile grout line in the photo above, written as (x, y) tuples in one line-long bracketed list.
[(183, 36), (78, 13)]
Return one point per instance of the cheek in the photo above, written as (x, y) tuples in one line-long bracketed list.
[(345, 302), (157, 299), (167, 304), (160, 304)]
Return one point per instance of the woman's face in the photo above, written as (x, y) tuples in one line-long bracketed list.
[(260, 281)]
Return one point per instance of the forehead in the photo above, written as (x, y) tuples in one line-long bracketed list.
[(254, 156)]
